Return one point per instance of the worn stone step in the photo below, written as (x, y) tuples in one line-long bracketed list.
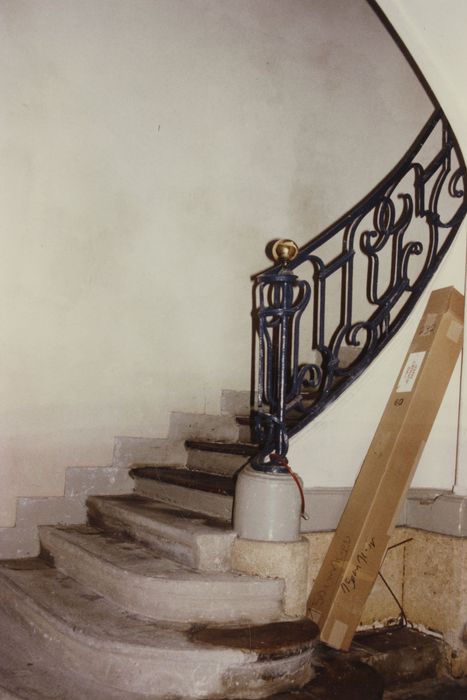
[(90, 635), (244, 449), (218, 457), (202, 426), (29, 672), (144, 583), (203, 481), (203, 492), (190, 538)]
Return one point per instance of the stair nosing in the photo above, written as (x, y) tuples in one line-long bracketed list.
[(146, 521), (217, 577), (242, 449), (182, 477), (90, 638)]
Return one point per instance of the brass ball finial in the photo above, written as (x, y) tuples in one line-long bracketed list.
[(284, 251)]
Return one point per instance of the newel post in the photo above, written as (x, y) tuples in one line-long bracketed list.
[(268, 504)]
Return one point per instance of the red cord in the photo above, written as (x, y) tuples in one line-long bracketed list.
[(284, 462)]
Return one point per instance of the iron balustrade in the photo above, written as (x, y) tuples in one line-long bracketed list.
[(324, 312)]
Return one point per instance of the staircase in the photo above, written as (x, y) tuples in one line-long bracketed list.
[(142, 602)]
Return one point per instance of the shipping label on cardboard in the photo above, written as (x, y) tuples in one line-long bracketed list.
[(410, 372), (428, 325), (454, 331)]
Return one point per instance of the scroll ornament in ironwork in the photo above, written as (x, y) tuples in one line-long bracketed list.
[(381, 256)]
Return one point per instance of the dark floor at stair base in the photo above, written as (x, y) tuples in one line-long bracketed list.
[(357, 681), (445, 689), (341, 680), (396, 664)]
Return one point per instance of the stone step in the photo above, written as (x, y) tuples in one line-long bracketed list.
[(144, 583), (207, 493), (190, 538), (202, 426), (29, 672), (92, 636), (218, 457), (246, 449)]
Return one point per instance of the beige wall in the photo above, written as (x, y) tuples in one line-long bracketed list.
[(331, 450), (149, 150), (438, 45)]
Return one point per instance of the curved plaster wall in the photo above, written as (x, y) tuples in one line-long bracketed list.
[(149, 150), (438, 45), (330, 451)]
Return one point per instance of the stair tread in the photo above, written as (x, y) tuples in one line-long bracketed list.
[(186, 523), (157, 587), (235, 448), (133, 558), (95, 620), (28, 672), (206, 492), (202, 481), (91, 635), (291, 418), (194, 539)]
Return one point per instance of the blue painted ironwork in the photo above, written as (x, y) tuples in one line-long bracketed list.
[(380, 257)]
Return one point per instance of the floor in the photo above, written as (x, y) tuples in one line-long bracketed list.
[(355, 682), (383, 666)]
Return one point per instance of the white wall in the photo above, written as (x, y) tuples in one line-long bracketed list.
[(330, 451), (149, 149), (438, 45)]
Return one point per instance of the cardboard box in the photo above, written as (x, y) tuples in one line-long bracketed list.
[(357, 550)]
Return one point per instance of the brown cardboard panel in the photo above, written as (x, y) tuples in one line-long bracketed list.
[(357, 550)]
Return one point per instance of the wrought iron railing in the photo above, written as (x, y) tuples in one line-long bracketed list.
[(324, 312)]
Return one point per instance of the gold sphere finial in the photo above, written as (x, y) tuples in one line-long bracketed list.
[(284, 250)]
